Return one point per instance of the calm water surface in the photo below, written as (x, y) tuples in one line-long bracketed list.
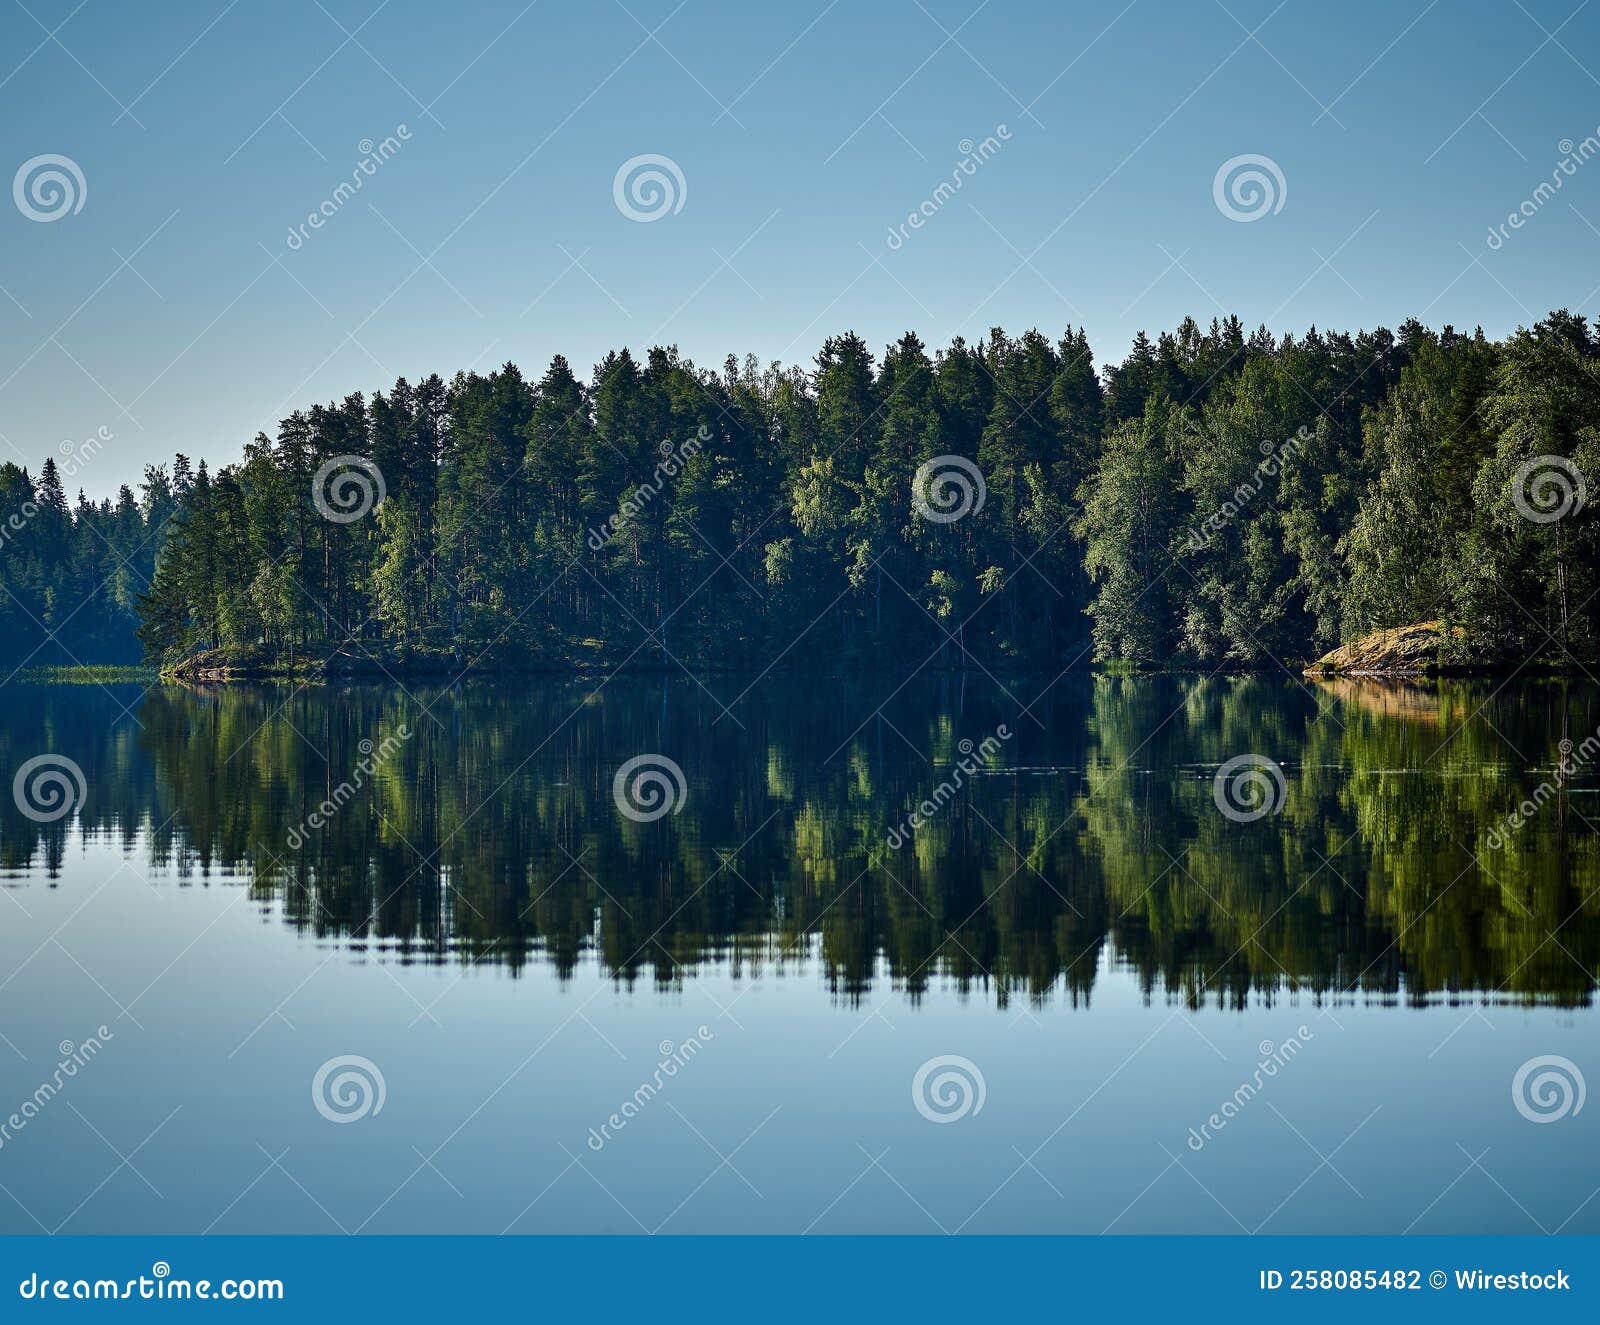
[(1345, 955)]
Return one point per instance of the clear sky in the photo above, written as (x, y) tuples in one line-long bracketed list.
[(174, 309)]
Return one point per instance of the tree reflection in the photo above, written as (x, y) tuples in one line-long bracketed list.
[(487, 831)]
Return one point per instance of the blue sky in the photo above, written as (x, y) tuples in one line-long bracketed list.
[(172, 310)]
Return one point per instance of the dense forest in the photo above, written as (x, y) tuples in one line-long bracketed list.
[(1217, 499)]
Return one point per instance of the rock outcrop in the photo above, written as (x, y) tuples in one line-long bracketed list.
[(1404, 651)]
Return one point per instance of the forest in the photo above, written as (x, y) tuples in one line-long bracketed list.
[(1216, 500)]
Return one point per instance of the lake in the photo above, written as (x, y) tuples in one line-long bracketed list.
[(990, 955)]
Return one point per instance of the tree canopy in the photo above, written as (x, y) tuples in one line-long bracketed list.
[(1217, 499)]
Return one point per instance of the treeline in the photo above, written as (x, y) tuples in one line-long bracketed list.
[(1216, 499), (71, 576)]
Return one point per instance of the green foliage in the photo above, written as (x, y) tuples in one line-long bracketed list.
[(1214, 500), (1390, 869)]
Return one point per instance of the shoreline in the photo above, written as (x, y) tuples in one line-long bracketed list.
[(316, 672)]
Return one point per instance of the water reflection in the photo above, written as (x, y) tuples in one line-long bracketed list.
[(479, 825)]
